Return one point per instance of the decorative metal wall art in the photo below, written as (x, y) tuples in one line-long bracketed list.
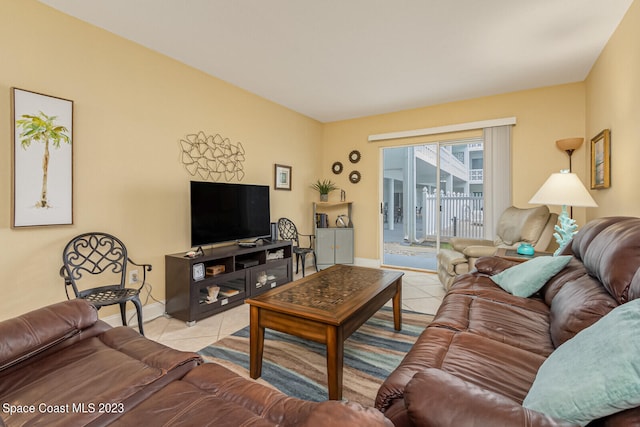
[(212, 157), (355, 177)]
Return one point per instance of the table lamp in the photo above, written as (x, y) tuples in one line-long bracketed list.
[(564, 189)]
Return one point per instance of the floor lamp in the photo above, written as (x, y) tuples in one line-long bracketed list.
[(564, 189), (569, 145)]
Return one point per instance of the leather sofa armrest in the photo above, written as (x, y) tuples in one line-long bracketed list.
[(493, 265), (460, 243), (34, 332), (432, 390), (476, 251)]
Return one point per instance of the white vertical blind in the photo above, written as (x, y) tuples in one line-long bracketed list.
[(497, 175)]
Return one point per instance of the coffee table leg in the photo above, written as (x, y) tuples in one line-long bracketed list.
[(335, 359), (397, 306), (256, 343)]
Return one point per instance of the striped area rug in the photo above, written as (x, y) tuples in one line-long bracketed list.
[(297, 367)]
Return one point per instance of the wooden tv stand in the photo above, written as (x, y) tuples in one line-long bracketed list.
[(247, 270)]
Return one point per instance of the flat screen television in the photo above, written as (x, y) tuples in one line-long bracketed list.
[(222, 212)]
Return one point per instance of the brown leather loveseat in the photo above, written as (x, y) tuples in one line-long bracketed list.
[(61, 366), (483, 354)]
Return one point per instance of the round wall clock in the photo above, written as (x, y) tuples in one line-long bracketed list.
[(337, 168), (354, 156), (354, 177)]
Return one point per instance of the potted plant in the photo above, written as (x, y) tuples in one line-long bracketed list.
[(324, 188)]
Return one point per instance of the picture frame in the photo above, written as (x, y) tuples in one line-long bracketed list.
[(282, 177), (601, 160), (42, 159)]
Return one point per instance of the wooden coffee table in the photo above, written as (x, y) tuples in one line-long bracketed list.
[(326, 307)]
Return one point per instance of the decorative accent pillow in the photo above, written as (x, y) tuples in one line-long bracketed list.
[(525, 279), (594, 374)]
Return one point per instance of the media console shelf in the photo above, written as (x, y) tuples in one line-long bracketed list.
[(238, 272)]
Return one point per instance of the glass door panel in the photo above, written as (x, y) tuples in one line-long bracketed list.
[(431, 192)]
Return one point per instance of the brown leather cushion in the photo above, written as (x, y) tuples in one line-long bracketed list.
[(577, 305), (510, 324), (43, 328), (493, 365), (212, 395), (118, 365), (610, 251)]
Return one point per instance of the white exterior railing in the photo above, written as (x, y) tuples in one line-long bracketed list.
[(461, 215), (476, 176)]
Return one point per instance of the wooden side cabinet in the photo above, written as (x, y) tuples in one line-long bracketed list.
[(334, 246), (238, 272)]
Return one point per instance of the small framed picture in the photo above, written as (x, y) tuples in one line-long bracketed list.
[(600, 160), (42, 159), (282, 177)]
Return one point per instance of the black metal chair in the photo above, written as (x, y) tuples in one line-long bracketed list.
[(103, 258), (288, 231)]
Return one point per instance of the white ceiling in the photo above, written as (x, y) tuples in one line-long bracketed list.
[(340, 59)]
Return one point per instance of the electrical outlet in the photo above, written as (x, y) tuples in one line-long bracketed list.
[(133, 276)]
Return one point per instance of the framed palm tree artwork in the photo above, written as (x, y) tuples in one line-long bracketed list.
[(42, 159)]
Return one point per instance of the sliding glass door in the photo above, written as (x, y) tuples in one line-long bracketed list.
[(431, 192)]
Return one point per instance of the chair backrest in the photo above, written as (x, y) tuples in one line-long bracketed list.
[(100, 258), (525, 225), (287, 230)]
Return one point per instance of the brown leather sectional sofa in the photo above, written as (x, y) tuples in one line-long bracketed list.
[(472, 366), (61, 366), (475, 363)]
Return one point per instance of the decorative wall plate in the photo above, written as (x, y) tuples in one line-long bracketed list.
[(337, 168), (354, 156), (354, 177)]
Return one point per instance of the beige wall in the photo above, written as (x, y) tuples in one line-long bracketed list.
[(543, 116), (132, 106), (613, 102)]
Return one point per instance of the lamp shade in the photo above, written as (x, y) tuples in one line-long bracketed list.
[(569, 144), (563, 188)]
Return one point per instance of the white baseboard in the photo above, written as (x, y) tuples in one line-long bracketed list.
[(367, 262), (149, 312)]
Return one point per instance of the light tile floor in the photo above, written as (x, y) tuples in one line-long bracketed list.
[(421, 292)]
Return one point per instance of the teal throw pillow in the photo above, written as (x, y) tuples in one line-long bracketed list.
[(594, 374), (525, 279)]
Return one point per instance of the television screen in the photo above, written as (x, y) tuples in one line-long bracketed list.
[(226, 212)]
